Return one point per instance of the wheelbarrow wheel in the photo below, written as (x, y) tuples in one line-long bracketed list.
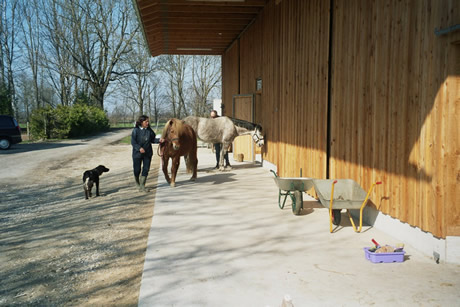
[(336, 216), (297, 202)]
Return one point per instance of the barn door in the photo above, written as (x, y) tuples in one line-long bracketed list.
[(243, 108)]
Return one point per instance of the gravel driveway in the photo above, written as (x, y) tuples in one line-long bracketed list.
[(58, 249)]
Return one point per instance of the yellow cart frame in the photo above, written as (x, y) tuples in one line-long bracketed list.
[(349, 196)]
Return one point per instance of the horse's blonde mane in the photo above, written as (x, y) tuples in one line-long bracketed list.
[(176, 124)]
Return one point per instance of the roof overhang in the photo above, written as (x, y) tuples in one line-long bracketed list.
[(194, 27)]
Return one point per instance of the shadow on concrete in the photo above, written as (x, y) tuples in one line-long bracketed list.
[(55, 230)]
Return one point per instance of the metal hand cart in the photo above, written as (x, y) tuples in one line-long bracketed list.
[(347, 195), (292, 187)]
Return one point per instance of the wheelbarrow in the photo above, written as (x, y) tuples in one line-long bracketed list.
[(347, 195), (292, 187)]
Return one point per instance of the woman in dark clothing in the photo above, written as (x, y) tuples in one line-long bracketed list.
[(142, 138)]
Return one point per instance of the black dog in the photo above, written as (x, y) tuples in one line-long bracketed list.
[(91, 177)]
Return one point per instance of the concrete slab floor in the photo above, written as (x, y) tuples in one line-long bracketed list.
[(223, 241)]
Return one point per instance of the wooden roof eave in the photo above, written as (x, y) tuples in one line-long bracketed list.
[(196, 27)]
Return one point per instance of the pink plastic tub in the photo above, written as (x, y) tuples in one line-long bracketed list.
[(384, 257)]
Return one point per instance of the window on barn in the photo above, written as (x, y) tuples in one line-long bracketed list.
[(259, 85)]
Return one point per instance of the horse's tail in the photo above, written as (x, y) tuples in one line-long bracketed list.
[(188, 163)]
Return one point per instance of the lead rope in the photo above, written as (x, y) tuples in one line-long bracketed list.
[(160, 148)]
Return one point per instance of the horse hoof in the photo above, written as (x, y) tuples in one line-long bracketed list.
[(192, 179), (221, 168), (173, 184)]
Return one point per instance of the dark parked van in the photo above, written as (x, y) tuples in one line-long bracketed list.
[(10, 133)]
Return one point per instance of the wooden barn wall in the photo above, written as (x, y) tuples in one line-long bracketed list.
[(302, 115), (392, 118), (282, 48), (394, 94), (251, 57), (268, 102), (230, 77)]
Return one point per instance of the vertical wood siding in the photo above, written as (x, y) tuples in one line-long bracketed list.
[(243, 106), (450, 134), (395, 89), (230, 77), (251, 58), (268, 106), (391, 111), (282, 48)]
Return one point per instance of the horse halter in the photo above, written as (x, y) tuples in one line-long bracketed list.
[(256, 138), (175, 143), (161, 147)]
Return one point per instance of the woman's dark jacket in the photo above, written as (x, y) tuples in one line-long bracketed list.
[(142, 138)]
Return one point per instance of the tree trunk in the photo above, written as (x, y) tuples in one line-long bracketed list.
[(97, 95)]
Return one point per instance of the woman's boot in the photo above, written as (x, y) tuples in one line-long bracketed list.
[(136, 178), (142, 183)]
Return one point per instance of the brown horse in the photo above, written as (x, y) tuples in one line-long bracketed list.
[(178, 139)]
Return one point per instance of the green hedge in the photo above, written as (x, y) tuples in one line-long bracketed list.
[(67, 121)]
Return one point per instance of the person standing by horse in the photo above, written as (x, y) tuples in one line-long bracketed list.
[(218, 146), (142, 138)]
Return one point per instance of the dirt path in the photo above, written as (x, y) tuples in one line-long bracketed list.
[(58, 249)]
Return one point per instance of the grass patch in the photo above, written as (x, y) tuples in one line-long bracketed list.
[(122, 125), (126, 140), (131, 125), (158, 130)]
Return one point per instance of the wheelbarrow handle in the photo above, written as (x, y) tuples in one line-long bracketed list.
[(330, 205), (364, 204)]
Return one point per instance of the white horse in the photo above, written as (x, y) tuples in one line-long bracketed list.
[(224, 130)]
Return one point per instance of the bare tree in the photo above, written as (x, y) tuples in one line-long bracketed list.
[(123, 112), (25, 94), (130, 109), (101, 35), (155, 100), (8, 27), (206, 76), (3, 22), (32, 42), (55, 58), (175, 67), (137, 84)]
